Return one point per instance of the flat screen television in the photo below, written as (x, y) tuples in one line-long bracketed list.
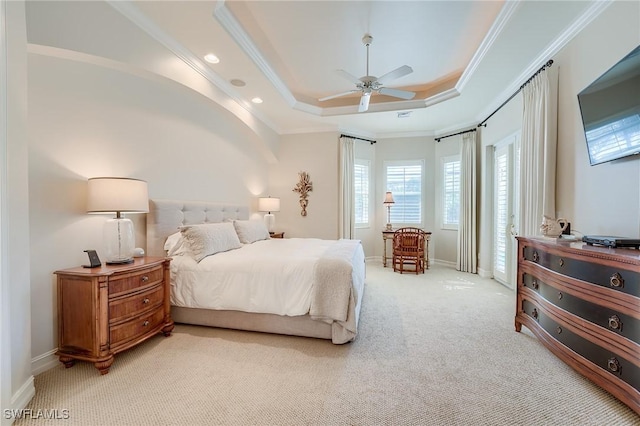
[(610, 109)]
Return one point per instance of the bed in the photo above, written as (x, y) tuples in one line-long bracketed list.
[(299, 286)]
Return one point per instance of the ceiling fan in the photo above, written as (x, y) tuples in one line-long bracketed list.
[(369, 84)]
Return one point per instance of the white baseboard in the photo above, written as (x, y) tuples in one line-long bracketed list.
[(21, 398), (44, 362), (442, 262), (484, 273)]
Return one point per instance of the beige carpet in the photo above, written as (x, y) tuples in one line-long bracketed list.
[(433, 349)]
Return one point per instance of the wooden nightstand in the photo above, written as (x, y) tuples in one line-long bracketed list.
[(276, 234), (106, 310)]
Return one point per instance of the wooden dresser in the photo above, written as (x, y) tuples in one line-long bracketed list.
[(583, 303), (106, 310)]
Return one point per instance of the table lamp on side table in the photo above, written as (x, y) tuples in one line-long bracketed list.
[(388, 202), (118, 195), (269, 204)]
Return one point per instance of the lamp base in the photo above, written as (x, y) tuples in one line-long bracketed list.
[(270, 221), (119, 241)]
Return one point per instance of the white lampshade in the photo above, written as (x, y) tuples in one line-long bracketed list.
[(269, 204), (388, 198), (118, 195)]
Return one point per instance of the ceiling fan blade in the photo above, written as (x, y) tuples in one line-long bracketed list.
[(397, 73), (364, 102), (326, 98), (403, 94), (352, 78)]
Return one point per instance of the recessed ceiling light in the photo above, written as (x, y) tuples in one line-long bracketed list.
[(238, 83), (211, 58), (404, 114), (256, 100)]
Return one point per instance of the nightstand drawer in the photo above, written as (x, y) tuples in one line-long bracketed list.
[(125, 283), (136, 327), (127, 307)]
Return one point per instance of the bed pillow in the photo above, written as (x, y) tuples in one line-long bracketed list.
[(250, 231), (211, 238), (176, 245)]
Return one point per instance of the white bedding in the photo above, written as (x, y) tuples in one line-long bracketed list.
[(275, 276)]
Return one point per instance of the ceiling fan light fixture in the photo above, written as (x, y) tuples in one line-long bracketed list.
[(369, 84)]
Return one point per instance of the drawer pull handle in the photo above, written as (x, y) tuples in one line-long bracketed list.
[(616, 280), (615, 323), (534, 313), (559, 329), (535, 284), (146, 300), (536, 256), (560, 295), (144, 278), (146, 323), (561, 262), (613, 365)]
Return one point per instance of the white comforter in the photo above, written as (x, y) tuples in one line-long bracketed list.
[(275, 276)]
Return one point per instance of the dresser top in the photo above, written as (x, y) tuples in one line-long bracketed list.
[(628, 255)]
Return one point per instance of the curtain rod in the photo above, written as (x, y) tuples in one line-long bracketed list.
[(483, 123), (455, 134), (360, 139), (542, 68)]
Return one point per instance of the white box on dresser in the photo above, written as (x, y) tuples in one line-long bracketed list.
[(583, 303)]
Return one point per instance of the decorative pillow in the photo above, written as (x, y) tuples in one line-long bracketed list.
[(176, 245), (250, 231), (207, 239)]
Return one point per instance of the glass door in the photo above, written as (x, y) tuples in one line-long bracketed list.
[(506, 161)]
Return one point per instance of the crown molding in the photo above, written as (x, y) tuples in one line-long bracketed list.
[(501, 21), (237, 32), (133, 13), (596, 8)]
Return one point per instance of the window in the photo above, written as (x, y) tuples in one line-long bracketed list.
[(361, 183), (404, 180), (450, 192)]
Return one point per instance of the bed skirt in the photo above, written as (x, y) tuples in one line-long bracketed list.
[(266, 323)]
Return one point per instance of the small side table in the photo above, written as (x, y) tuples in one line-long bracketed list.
[(388, 235), (276, 234)]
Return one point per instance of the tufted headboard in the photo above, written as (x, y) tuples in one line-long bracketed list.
[(165, 216)]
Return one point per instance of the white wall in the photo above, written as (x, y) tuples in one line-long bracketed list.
[(16, 380), (85, 121)]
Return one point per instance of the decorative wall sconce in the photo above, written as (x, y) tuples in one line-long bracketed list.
[(303, 188)]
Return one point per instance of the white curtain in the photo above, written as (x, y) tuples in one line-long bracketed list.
[(538, 152), (346, 220), (467, 226)]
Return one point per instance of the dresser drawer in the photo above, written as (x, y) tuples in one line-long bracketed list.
[(608, 361), (610, 319), (136, 327), (623, 280), (124, 283), (134, 305)]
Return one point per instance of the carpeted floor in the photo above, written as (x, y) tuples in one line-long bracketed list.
[(433, 349)]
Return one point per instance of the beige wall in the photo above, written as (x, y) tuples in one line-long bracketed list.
[(87, 121), (316, 154)]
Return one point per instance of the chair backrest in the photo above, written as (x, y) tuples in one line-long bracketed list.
[(409, 239)]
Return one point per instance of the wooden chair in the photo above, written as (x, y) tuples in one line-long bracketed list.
[(408, 249)]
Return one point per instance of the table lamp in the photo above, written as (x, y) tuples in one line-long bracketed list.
[(388, 201), (269, 204), (118, 195)]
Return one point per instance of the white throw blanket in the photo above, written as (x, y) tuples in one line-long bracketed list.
[(334, 295)]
